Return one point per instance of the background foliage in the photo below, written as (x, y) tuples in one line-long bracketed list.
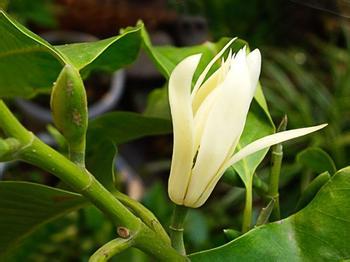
[(306, 77)]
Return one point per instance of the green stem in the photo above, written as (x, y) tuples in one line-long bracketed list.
[(177, 228), (110, 249), (142, 212), (39, 154), (276, 159), (274, 180), (35, 152), (247, 213)]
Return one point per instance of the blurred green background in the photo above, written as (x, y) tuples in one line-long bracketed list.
[(305, 74)]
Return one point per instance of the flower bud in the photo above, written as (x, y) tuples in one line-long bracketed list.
[(69, 111), (208, 122)]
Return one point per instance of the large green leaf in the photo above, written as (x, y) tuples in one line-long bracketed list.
[(26, 206), (319, 232), (110, 130), (29, 65)]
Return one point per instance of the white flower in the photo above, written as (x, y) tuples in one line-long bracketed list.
[(209, 121)]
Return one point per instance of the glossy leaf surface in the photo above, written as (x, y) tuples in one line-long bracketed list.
[(29, 65), (26, 206), (23, 58), (319, 232)]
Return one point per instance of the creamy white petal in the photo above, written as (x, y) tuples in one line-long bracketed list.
[(201, 117), (211, 63), (254, 64), (182, 117), (252, 148), (270, 140), (224, 125), (207, 192), (211, 83)]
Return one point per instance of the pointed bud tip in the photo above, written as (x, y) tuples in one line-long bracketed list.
[(283, 124)]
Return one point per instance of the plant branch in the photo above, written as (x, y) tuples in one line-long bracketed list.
[(12, 127), (35, 152), (177, 228), (110, 249), (146, 215), (276, 159)]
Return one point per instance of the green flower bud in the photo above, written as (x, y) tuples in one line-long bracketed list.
[(69, 111)]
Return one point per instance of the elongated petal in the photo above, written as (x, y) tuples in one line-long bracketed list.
[(224, 125), (270, 140), (252, 148), (211, 63), (254, 64), (182, 117)]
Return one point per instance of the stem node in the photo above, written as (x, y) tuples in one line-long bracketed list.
[(123, 232)]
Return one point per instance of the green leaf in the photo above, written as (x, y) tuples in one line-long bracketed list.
[(107, 55), (29, 65), (101, 165), (319, 232), (26, 206), (167, 57), (122, 127), (258, 125), (312, 189), (317, 160), (112, 129), (158, 103)]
